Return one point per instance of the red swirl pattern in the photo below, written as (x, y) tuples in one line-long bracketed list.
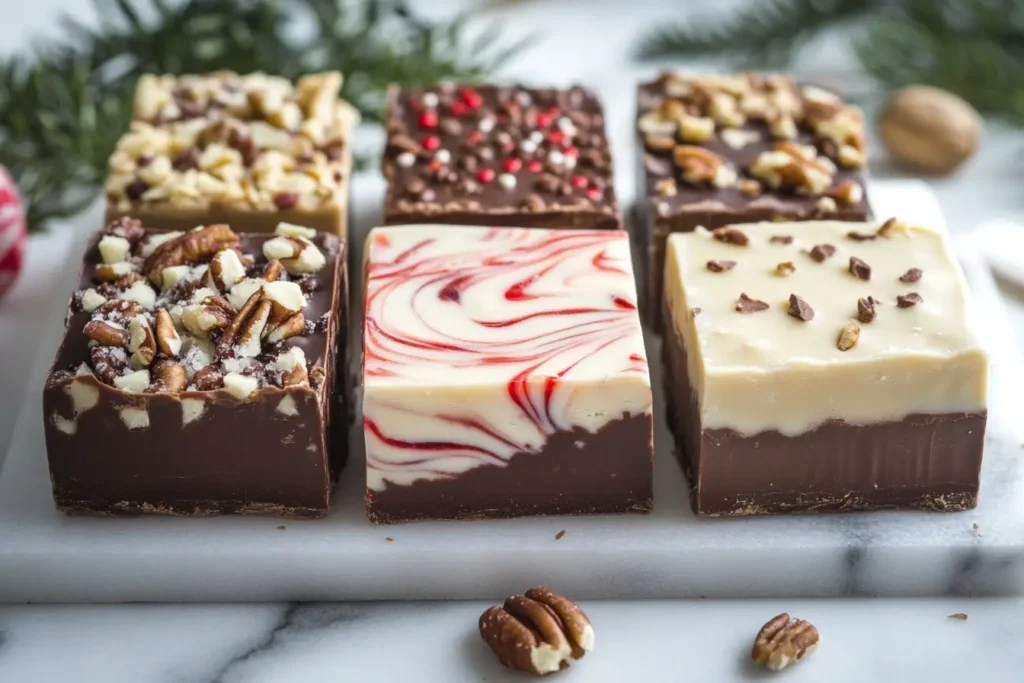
[(481, 342)]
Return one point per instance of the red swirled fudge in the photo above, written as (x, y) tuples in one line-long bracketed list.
[(504, 374), (197, 374)]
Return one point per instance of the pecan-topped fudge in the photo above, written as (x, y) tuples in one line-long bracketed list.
[(251, 150), (504, 374), (489, 155), (197, 374), (822, 365), (743, 148)]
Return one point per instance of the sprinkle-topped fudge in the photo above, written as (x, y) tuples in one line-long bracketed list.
[(490, 155), (251, 150), (504, 374), (743, 148), (823, 365), (197, 374)]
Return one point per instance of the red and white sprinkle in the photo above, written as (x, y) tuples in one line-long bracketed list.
[(486, 124), (527, 146), (443, 155), (405, 159), (556, 157), (430, 100), (507, 181), (566, 125)]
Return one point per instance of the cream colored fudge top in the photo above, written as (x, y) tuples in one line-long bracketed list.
[(789, 325)]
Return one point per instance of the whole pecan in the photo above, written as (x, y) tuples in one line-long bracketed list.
[(539, 632), (105, 334), (192, 247), (168, 376)]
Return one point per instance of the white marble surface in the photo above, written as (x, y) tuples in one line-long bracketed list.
[(881, 640)]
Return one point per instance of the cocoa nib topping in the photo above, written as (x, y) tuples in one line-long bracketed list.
[(859, 268), (720, 266), (800, 309), (821, 252), (731, 235), (912, 275), (861, 236), (747, 305), (908, 300), (866, 309), (781, 239)]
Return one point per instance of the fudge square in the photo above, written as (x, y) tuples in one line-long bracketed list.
[(742, 148), (251, 150), (197, 373), (504, 374), (489, 155), (820, 366)]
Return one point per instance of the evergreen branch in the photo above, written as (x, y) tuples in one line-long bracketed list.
[(62, 108), (763, 34)]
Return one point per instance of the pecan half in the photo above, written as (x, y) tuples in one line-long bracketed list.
[(292, 326), (208, 378), (295, 376), (141, 342), (192, 247), (167, 339), (700, 165), (105, 334), (108, 362), (783, 641), (272, 271), (168, 376), (540, 632)]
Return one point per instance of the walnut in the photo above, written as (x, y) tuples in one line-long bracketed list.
[(929, 129), (192, 247), (782, 641), (793, 167), (540, 632), (700, 165)]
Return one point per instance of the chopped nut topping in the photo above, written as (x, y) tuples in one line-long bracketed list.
[(785, 269), (747, 305), (859, 268), (666, 187), (892, 227), (700, 165), (783, 641), (866, 309), (720, 266), (848, 336), (540, 632), (749, 186), (848, 193), (731, 235), (822, 252), (781, 239), (827, 205), (800, 309), (912, 275), (861, 236), (106, 334), (908, 300)]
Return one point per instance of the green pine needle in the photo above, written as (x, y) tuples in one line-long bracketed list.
[(63, 108)]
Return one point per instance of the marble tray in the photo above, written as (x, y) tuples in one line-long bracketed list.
[(47, 557)]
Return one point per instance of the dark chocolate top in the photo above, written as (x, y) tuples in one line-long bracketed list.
[(197, 322), (497, 150), (750, 141)]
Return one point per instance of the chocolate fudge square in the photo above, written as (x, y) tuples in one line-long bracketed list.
[(822, 365), (488, 155), (197, 374), (504, 374), (252, 150), (742, 148)]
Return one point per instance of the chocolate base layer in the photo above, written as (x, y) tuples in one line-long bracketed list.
[(585, 220), (330, 219), (576, 473), (926, 462)]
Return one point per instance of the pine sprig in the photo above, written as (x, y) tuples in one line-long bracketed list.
[(974, 48), (62, 108)]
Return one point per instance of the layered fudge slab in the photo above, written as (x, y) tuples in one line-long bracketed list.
[(491, 155), (716, 150), (504, 374), (821, 366), (251, 150), (197, 374)]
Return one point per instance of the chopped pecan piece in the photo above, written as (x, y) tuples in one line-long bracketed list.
[(192, 247), (866, 309), (167, 338), (105, 334), (912, 275), (208, 378), (272, 271), (785, 268), (781, 239), (908, 300), (141, 342), (232, 333), (540, 632), (731, 235), (720, 266), (700, 165), (168, 376), (783, 641), (292, 326), (821, 252)]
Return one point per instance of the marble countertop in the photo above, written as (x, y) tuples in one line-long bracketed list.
[(693, 641)]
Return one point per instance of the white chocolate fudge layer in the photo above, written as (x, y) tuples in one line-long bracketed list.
[(878, 331), (479, 343)]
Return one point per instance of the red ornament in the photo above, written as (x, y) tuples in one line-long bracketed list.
[(431, 142), (513, 165), (475, 136), (13, 232), (458, 108), (485, 175), (571, 151), (594, 194), (471, 97), (579, 181), (534, 166), (556, 137), (428, 119)]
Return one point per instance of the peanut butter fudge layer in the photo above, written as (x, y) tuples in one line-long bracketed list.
[(743, 148), (197, 374), (822, 365), (504, 374), (250, 150), (488, 155)]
